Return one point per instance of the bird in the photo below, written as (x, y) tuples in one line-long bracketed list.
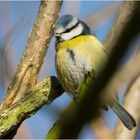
[(78, 53)]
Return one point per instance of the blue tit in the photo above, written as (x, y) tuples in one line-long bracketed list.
[(78, 52)]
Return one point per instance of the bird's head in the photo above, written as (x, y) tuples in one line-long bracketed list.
[(69, 27)]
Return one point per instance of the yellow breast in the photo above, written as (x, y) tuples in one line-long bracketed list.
[(76, 57), (80, 40), (85, 47)]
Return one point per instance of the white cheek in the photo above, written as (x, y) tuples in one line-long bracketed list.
[(75, 32)]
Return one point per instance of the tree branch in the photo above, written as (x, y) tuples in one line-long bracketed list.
[(32, 59), (124, 30), (117, 36), (100, 129), (43, 93), (124, 75), (27, 73), (131, 103)]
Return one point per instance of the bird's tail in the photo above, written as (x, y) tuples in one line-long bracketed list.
[(124, 116)]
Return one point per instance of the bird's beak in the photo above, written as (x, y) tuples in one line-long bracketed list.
[(56, 34)]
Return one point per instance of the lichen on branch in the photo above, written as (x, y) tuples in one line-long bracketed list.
[(43, 93)]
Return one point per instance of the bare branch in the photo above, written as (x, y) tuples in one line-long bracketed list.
[(124, 75), (99, 128), (131, 103), (121, 30), (24, 132), (100, 17), (32, 59)]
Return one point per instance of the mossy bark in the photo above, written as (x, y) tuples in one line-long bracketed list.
[(43, 93)]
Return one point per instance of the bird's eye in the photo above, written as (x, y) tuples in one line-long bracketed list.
[(67, 30)]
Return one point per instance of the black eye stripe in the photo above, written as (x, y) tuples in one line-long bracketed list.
[(69, 29)]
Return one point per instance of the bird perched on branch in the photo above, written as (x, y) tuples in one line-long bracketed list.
[(79, 53)]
